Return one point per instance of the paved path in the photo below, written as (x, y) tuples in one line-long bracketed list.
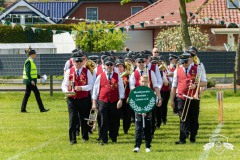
[(9, 87)]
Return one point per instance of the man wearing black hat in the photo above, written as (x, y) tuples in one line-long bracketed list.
[(184, 81), (69, 62), (78, 79), (109, 91), (30, 76)]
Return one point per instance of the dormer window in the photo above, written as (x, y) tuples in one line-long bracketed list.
[(230, 5)]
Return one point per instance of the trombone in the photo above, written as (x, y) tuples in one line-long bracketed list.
[(190, 98)]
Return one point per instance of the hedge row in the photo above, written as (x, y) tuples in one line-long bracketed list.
[(17, 35)]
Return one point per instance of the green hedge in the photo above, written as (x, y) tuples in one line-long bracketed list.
[(17, 35)]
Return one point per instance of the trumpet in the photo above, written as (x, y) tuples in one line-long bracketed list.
[(92, 119), (163, 67), (70, 87)]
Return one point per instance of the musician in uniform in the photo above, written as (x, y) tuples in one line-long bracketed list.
[(184, 80), (161, 112), (155, 69), (134, 81), (78, 104), (126, 110), (69, 62), (172, 66), (109, 91)]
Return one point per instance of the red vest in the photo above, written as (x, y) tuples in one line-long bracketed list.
[(137, 78), (99, 70), (126, 86), (80, 80), (171, 69), (184, 81), (153, 68), (165, 88), (109, 89)]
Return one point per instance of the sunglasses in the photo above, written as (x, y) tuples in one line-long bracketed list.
[(140, 61), (109, 64), (80, 60)]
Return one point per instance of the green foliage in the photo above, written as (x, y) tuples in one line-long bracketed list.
[(211, 82), (189, 0), (17, 35), (125, 1), (2, 9), (92, 37), (171, 39), (2, 4)]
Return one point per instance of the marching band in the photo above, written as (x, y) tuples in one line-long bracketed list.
[(106, 86)]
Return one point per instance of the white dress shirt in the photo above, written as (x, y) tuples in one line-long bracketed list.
[(175, 79), (95, 71), (158, 76), (132, 80), (87, 87), (96, 87)]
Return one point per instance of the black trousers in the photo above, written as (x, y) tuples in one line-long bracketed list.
[(29, 88), (175, 109), (139, 130), (78, 108), (126, 116), (110, 120), (161, 112), (191, 124)]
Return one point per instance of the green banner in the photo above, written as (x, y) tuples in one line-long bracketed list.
[(142, 99)]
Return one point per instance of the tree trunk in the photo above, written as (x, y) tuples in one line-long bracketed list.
[(184, 24), (237, 62)]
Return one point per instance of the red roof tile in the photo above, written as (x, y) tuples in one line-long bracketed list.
[(152, 15)]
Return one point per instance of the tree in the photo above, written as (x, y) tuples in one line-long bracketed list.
[(184, 24), (96, 37), (171, 40), (237, 58)]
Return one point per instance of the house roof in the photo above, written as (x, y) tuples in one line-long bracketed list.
[(20, 4), (80, 2), (166, 12), (55, 10), (217, 10)]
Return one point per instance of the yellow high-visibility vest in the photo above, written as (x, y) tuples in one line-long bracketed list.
[(33, 71)]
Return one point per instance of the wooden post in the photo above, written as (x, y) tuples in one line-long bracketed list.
[(235, 82), (51, 85), (220, 106)]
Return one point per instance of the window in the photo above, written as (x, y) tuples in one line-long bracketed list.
[(92, 13), (136, 9), (230, 5)]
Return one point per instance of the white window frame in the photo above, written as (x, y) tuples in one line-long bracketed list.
[(135, 6), (232, 7), (87, 12)]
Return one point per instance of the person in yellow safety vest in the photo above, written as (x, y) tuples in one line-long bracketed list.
[(30, 76)]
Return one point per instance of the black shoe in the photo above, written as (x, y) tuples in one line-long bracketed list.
[(99, 139), (125, 132), (85, 140), (23, 111), (44, 110), (192, 139), (72, 142), (103, 143), (180, 142)]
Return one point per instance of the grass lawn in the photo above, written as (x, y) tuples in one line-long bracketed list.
[(44, 136)]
